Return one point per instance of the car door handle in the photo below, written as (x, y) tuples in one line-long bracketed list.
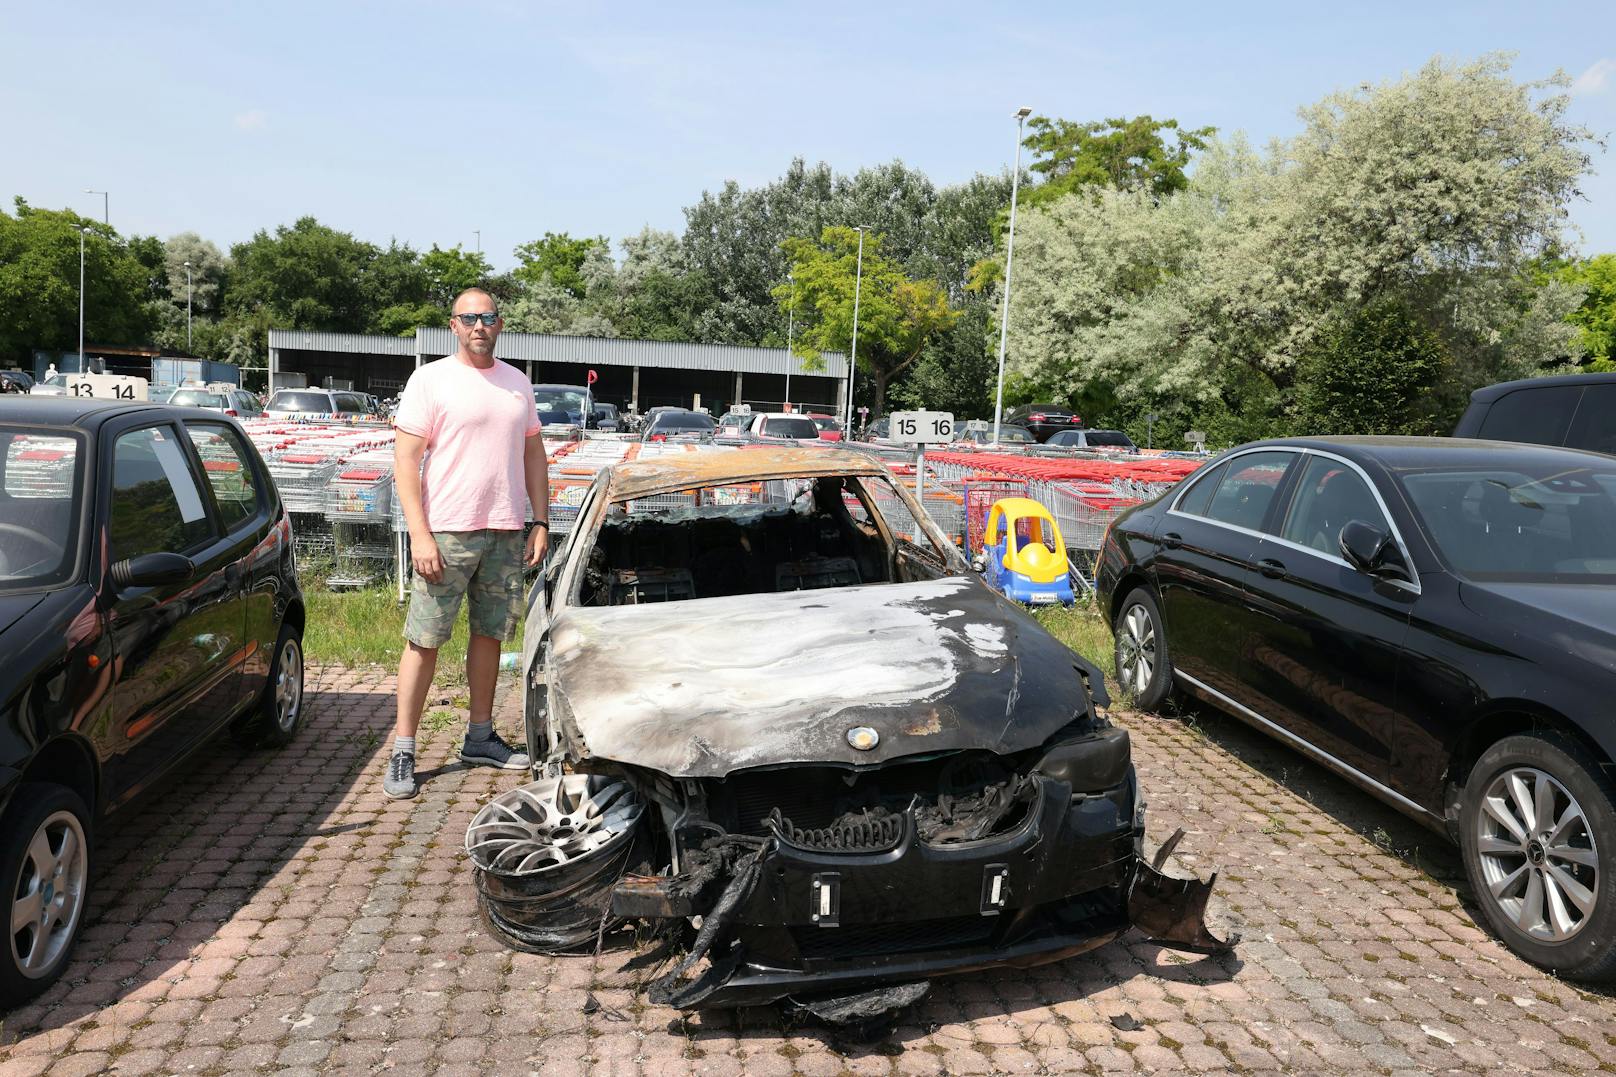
[(1172, 540), (1274, 570)]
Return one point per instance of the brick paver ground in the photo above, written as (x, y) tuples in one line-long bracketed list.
[(272, 911)]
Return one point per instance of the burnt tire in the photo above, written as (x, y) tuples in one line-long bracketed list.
[(1537, 828), (277, 715), (45, 868), (1144, 670)]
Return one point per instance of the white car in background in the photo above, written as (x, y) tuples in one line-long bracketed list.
[(225, 400)]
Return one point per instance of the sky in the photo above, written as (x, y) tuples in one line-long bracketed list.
[(492, 122)]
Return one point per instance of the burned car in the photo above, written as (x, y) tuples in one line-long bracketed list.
[(771, 706)]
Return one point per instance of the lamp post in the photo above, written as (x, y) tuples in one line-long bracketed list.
[(187, 306), (791, 326), (478, 232), (852, 361), (81, 299), (105, 218), (1009, 255)]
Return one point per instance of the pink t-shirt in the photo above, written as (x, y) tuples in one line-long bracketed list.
[(475, 422)]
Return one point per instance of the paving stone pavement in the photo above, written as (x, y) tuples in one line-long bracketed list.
[(272, 911)]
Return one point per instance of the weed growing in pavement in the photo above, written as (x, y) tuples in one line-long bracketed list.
[(438, 721)]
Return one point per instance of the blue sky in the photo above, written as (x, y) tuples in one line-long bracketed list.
[(429, 122)]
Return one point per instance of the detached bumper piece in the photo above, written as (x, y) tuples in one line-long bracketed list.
[(1173, 911), (794, 921)]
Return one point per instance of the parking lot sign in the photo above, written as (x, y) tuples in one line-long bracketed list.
[(108, 386), (922, 427)]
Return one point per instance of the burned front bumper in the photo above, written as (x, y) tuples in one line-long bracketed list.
[(814, 922)]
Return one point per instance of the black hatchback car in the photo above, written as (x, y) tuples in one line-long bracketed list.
[(148, 598), (1433, 618)]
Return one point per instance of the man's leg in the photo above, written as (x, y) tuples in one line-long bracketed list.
[(495, 596), (416, 669), (427, 626)]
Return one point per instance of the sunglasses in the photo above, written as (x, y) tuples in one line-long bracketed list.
[(468, 320)]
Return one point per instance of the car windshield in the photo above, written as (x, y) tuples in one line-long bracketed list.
[(570, 401), (669, 423), (827, 424), (38, 518), (1115, 439), (57, 379), (1010, 434), (294, 400), (777, 426), (198, 399), (1546, 524)]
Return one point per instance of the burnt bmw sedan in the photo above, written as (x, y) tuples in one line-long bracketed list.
[(148, 598), (770, 704), (1434, 618)]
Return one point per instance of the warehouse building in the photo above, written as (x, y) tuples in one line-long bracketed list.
[(632, 374)]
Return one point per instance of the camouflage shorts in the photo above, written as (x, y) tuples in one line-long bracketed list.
[(484, 565)]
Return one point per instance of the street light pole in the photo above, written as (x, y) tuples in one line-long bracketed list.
[(479, 234), (187, 306), (852, 361), (791, 326), (1009, 255), (81, 299), (105, 217)]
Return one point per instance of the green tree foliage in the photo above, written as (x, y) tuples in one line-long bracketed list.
[(39, 283), (307, 276), (1376, 372), (1596, 316), (560, 258), (1438, 190), (897, 316), (1122, 154), (450, 272)]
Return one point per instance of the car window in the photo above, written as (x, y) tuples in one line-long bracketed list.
[(156, 504), (1539, 416), (197, 398), (786, 427), (1329, 496), (226, 464), (301, 400), (36, 501), (1015, 435), (350, 402), (1248, 488), (1199, 495), (1594, 426), (1111, 439)]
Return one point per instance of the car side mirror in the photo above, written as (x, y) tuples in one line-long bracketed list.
[(150, 569), (1371, 551)]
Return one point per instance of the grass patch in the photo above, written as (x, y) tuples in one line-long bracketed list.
[(365, 628), (1082, 628)]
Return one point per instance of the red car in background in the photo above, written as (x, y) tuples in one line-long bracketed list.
[(830, 427)]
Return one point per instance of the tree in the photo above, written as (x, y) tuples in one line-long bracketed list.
[(1596, 316), (209, 271), (1375, 373), (896, 315), (559, 257), (39, 284), (307, 276), (1123, 154), (450, 272)]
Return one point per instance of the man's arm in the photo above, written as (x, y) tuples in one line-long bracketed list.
[(536, 471), (407, 452)]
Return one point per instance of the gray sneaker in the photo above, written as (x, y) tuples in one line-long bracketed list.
[(400, 781), (493, 752)]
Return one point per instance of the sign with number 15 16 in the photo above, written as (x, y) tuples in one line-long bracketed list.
[(922, 427)]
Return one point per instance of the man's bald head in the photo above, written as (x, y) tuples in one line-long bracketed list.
[(485, 301)]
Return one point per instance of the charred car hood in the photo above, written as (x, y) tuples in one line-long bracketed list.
[(702, 688)]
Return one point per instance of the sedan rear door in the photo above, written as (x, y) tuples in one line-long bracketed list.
[(1206, 546)]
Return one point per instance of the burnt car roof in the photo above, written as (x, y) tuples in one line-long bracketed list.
[(680, 471)]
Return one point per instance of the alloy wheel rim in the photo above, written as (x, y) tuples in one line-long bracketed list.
[(288, 686), (551, 823), (48, 898), (1539, 859), (1136, 658)]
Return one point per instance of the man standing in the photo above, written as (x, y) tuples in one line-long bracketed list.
[(474, 419)]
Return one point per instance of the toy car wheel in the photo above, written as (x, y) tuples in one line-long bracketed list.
[(1537, 827), (1143, 668), (45, 867)]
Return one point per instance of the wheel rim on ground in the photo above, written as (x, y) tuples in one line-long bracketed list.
[(288, 685), (550, 823), (1136, 649), (49, 895), (1539, 860)]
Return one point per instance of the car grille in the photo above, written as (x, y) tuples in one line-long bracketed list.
[(871, 833)]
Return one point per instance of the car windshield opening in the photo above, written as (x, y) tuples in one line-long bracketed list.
[(1521, 524), (38, 508), (774, 535)]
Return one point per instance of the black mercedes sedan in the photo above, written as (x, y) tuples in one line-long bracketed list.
[(148, 598), (1433, 618)]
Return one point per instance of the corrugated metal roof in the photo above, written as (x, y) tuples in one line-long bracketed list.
[(353, 343), (607, 351)]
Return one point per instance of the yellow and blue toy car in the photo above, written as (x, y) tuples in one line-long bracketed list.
[(1023, 555)]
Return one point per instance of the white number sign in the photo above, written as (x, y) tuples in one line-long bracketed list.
[(922, 427), (108, 386)]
